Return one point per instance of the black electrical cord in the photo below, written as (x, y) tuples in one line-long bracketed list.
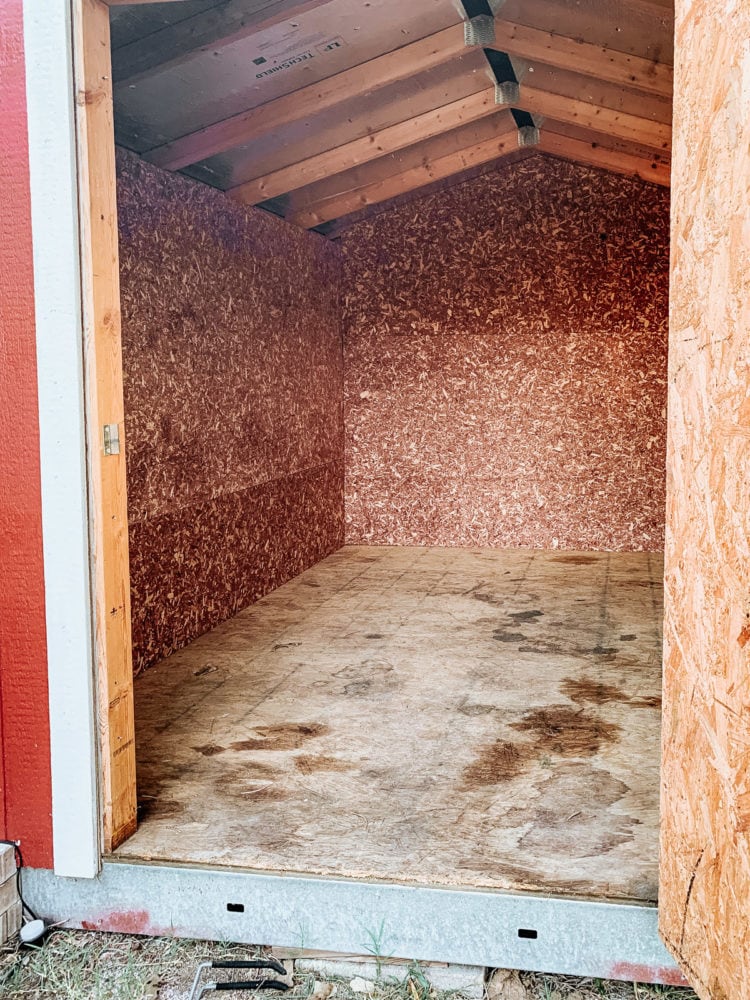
[(19, 865)]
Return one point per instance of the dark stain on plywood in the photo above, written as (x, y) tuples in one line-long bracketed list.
[(309, 764), (209, 749), (282, 736), (500, 635), (587, 689), (651, 701), (557, 730), (570, 799), (541, 646), (436, 778), (155, 808), (497, 762), (568, 732)]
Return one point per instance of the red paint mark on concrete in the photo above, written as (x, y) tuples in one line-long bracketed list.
[(126, 922), (25, 785), (632, 972)]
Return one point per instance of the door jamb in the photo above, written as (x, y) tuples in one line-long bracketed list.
[(103, 377)]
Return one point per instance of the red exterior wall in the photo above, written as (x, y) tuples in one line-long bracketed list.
[(506, 363), (25, 785), (232, 368)]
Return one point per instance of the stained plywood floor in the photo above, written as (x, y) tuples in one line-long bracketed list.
[(446, 716)]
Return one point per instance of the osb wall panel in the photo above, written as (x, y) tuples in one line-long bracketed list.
[(232, 376), (505, 358), (705, 860)]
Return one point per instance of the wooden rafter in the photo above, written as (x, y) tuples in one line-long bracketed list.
[(368, 147), (385, 167), (609, 141), (654, 135), (213, 29), (410, 60), (390, 187), (175, 44), (579, 56), (463, 148), (595, 155)]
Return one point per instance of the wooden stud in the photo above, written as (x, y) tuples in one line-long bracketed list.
[(214, 28), (103, 360), (416, 57), (595, 155), (382, 190)]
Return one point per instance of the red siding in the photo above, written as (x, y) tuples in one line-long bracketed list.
[(25, 787)]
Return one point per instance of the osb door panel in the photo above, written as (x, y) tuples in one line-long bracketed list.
[(705, 850)]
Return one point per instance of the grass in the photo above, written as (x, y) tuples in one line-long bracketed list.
[(79, 965)]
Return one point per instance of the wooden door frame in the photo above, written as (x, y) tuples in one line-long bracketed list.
[(102, 352)]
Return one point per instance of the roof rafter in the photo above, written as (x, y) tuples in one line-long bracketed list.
[(457, 140), (595, 155), (582, 57), (368, 147), (395, 137), (454, 152), (416, 177), (409, 60)]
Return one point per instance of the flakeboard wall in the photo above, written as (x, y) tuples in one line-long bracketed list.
[(233, 399), (505, 363), (705, 858)]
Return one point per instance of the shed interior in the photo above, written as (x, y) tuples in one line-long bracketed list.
[(394, 293)]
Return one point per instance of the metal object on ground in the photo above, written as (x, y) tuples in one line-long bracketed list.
[(245, 985)]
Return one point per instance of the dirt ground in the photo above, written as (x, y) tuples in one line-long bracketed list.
[(78, 965)]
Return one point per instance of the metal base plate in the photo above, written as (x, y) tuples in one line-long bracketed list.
[(470, 927)]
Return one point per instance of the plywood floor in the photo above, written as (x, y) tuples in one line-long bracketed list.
[(445, 716)]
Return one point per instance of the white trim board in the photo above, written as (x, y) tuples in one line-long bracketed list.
[(59, 344), (425, 923)]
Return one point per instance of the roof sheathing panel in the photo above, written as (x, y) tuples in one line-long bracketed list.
[(228, 80)]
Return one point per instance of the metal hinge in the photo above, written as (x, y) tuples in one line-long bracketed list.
[(111, 439)]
